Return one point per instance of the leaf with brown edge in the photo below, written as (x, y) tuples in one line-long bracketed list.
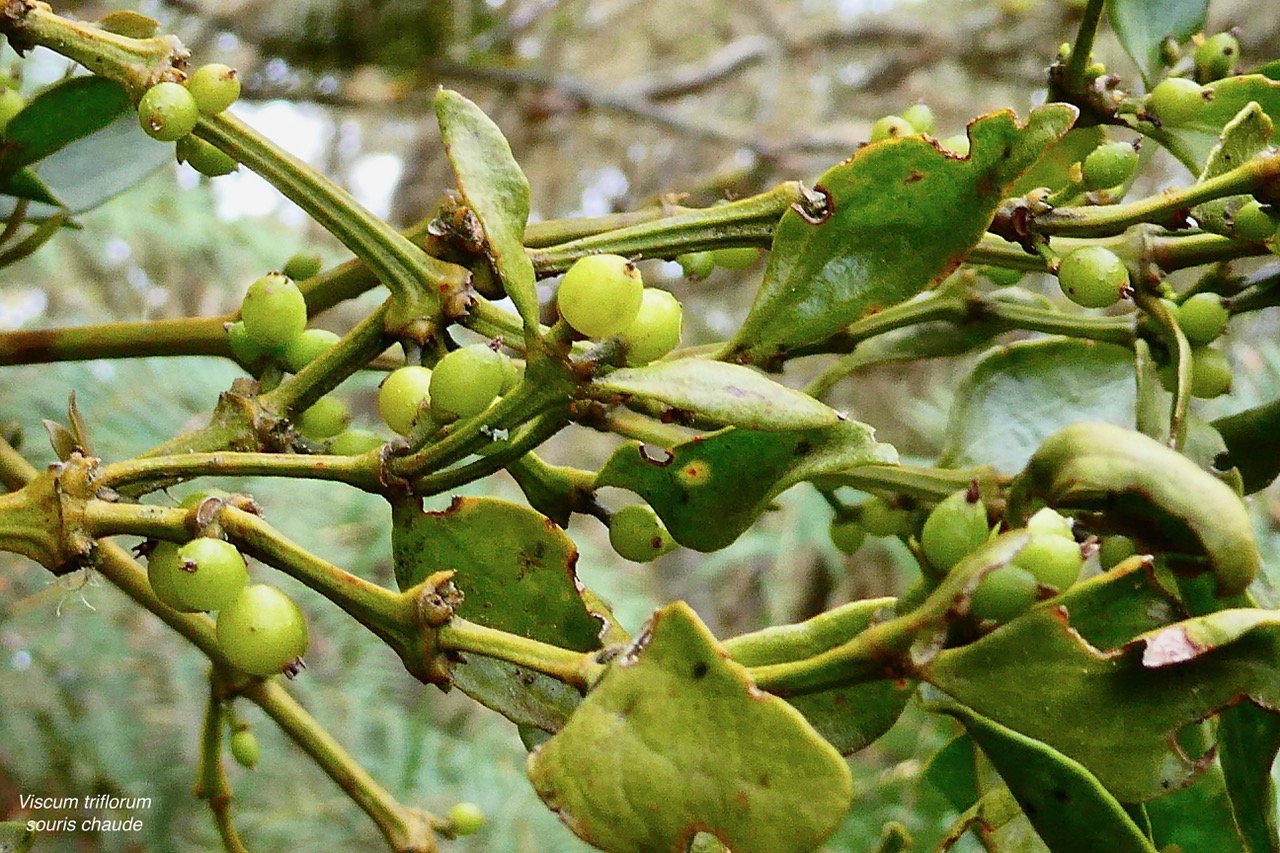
[(901, 215), (675, 739)]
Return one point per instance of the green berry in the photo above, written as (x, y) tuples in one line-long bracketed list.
[(656, 328), (637, 534), (402, 396), (245, 749), (243, 348), (1004, 594), (739, 258), (214, 573), (467, 818), (1047, 522), (1203, 318), (1109, 165), (880, 519), (262, 631), (956, 528), (697, 265), (1210, 373), (167, 112), (466, 381), (274, 311), (1093, 277), (510, 375), (355, 442), (306, 347), (11, 103), (1176, 101), (847, 535), (165, 575), (1113, 550), (302, 266), (1253, 222), (214, 87), (1054, 560), (891, 127), (920, 117), (600, 295), (327, 417), (958, 144), (204, 157), (1216, 57)]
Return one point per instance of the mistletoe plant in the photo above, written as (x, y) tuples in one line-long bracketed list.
[(1086, 609)]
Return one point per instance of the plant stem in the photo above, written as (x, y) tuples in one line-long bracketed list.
[(211, 778), (571, 667), (187, 336), (361, 472), (404, 829), (1075, 79), (1180, 349)]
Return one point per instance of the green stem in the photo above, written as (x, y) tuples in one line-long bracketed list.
[(749, 221), (1164, 208), (929, 485), (211, 779), (187, 336), (523, 439), (1075, 79), (1180, 350), (405, 829), (361, 472), (572, 668)]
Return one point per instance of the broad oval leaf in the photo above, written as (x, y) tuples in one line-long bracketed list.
[(496, 191), (58, 116), (902, 214), (1249, 738), (1061, 798), (710, 489), (1246, 136), (1020, 394), (1142, 25), (1199, 816), (726, 393), (675, 739), (515, 569)]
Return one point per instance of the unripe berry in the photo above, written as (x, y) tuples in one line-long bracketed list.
[(302, 266), (1054, 560), (739, 258), (1253, 222), (1004, 594), (1048, 522), (847, 535), (327, 417), (204, 157), (262, 631), (167, 112), (245, 749), (402, 395), (891, 127), (1093, 277), (11, 103), (274, 311), (956, 528), (637, 534), (306, 347), (214, 87), (920, 117), (245, 349), (467, 818), (880, 519), (1210, 373), (600, 295), (959, 144), (656, 328), (354, 442), (1113, 550), (1109, 165), (1203, 318), (1216, 57), (1176, 101), (466, 381), (697, 265)]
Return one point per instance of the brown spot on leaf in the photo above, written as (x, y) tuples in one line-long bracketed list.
[(915, 176)]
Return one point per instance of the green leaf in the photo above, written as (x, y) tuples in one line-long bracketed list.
[(1104, 708), (849, 718), (901, 216), (1192, 143), (1249, 738), (58, 116), (95, 169), (1142, 25), (1063, 801), (726, 393), (1191, 638), (1252, 438), (1197, 817), (1246, 136), (515, 570), (710, 489), (675, 739), (497, 192), (953, 770), (15, 837), (132, 24), (1019, 394)]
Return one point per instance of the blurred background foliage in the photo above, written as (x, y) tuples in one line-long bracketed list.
[(609, 105)]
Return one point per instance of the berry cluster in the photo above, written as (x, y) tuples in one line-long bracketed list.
[(169, 111), (603, 296)]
